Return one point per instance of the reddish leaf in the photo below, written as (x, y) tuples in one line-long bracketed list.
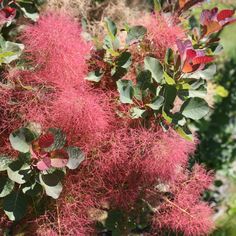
[(44, 164), (46, 140), (182, 3), (190, 54), (213, 27), (208, 16), (202, 60), (59, 158), (222, 15), (187, 68)]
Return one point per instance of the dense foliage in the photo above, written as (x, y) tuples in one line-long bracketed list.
[(121, 109)]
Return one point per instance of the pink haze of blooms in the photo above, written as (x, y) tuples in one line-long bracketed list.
[(163, 32), (122, 163), (127, 166)]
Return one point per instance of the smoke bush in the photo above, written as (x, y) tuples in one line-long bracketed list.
[(127, 160)]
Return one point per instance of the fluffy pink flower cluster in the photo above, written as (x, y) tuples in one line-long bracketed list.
[(163, 32), (129, 165)]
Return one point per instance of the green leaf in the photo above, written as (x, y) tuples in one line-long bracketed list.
[(184, 134), (94, 76), (154, 66), (179, 119), (111, 27), (18, 172), (53, 178), (169, 93), (169, 57), (10, 51), (52, 191), (15, 206), (144, 80), (157, 103), (6, 186), (192, 93), (20, 139), (195, 108), (157, 5), (59, 140), (197, 84), (124, 60), (111, 45), (118, 73), (136, 33), (169, 80), (136, 112), (125, 88), (4, 162), (114, 221), (167, 117), (32, 16), (31, 188), (76, 156)]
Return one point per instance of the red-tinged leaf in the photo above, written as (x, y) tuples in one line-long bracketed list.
[(228, 21), (182, 3), (46, 140), (59, 158), (44, 164), (208, 16), (187, 68), (202, 60), (187, 5), (59, 163), (213, 27), (190, 54), (222, 15)]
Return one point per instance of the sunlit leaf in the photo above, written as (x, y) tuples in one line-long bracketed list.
[(76, 156), (125, 88), (195, 108), (153, 65)]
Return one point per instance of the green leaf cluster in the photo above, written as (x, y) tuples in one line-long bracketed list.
[(20, 178)]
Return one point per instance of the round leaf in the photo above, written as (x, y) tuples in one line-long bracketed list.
[(125, 88), (59, 140), (59, 158), (52, 191), (154, 66), (195, 108), (136, 33), (52, 179), (76, 156), (21, 138)]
